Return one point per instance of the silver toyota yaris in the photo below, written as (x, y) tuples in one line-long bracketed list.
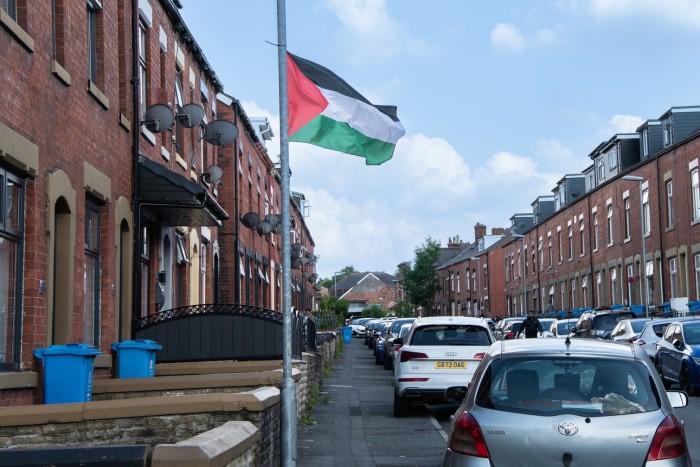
[(567, 402)]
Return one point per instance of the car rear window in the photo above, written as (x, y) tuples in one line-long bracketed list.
[(609, 321), (451, 335), (554, 385)]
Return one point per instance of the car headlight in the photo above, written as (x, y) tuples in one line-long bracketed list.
[(696, 360)]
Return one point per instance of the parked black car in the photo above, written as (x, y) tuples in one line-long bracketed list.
[(600, 323)]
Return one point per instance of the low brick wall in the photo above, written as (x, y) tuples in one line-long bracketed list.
[(183, 405)]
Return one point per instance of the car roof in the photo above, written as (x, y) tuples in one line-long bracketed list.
[(449, 320), (575, 347)]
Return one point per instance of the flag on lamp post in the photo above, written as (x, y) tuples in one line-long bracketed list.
[(326, 111)]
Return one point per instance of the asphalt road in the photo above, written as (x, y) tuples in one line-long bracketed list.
[(354, 425)]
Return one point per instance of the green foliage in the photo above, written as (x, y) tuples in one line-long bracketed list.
[(331, 312), (420, 280), (374, 311), (403, 309)]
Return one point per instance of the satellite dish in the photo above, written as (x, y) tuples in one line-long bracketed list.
[(212, 174), (251, 220), (190, 115), (220, 132), (158, 118)]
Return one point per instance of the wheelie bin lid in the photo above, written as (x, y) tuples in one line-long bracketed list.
[(139, 344), (68, 349)]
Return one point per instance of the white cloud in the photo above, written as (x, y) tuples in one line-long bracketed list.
[(550, 36), (621, 124), (682, 12), (507, 38), (373, 33)]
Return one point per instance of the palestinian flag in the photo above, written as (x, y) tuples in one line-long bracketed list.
[(326, 111)]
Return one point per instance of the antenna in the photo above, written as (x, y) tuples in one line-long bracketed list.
[(220, 132), (190, 115), (158, 118), (212, 174)]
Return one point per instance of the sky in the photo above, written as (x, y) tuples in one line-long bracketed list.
[(500, 99)]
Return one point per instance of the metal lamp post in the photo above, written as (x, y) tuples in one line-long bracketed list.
[(335, 283), (643, 266)]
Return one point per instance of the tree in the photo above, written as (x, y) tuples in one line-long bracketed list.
[(420, 280), (373, 311), (403, 309)]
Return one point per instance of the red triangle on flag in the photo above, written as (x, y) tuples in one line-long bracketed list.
[(305, 100)]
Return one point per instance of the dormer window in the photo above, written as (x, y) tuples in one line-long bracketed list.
[(601, 169), (668, 136), (645, 142), (612, 158)]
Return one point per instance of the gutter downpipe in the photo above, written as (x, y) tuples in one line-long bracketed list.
[(136, 128)]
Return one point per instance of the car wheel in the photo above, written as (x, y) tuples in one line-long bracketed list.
[(667, 383), (378, 360), (686, 382), (387, 363), (401, 407)]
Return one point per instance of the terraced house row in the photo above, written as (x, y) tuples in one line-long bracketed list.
[(624, 231), (139, 196)]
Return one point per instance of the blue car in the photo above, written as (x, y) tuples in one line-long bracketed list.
[(379, 352), (678, 356)]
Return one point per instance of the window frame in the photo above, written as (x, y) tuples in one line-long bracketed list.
[(91, 308)]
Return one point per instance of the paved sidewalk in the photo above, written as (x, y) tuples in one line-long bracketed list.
[(356, 427)]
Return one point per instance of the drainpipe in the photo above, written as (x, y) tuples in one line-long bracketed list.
[(661, 236), (236, 216), (590, 248), (136, 128)]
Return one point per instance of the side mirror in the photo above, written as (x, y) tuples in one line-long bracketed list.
[(677, 399), (398, 341), (456, 394)]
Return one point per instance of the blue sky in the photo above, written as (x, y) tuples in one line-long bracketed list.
[(500, 99)]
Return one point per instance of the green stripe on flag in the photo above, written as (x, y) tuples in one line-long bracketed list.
[(330, 134)]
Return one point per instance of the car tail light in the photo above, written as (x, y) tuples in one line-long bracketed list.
[(406, 355), (669, 441), (396, 347), (510, 335), (466, 437), (479, 356)]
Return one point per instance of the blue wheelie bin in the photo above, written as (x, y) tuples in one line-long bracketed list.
[(137, 358), (347, 334), (68, 371)]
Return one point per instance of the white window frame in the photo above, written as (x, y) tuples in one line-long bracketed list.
[(673, 276), (646, 212), (669, 204), (695, 188)]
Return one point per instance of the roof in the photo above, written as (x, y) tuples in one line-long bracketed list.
[(576, 347)]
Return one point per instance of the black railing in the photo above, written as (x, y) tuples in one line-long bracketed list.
[(223, 332)]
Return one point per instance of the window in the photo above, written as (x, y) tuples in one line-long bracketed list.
[(459, 288), (613, 286), (91, 276), (628, 233), (539, 252), (695, 188), (143, 66), (573, 294), (645, 142), (598, 282), (582, 237), (145, 268), (673, 276), (10, 7), (610, 224), (203, 273), (11, 268), (601, 169), (669, 204), (467, 280), (595, 231), (646, 212), (668, 136), (561, 252), (630, 283), (93, 9), (612, 158), (571, 243), (179, 102), (549, 248), (697, 275)]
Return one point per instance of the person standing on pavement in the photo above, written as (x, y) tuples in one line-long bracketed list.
[(531, 326)]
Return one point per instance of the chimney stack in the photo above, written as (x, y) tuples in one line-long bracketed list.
[(479, 231)]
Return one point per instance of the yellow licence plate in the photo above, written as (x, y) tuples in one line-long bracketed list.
[(450, 365)]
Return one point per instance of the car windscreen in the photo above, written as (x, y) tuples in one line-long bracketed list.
[(453, 334), (609, 321), (396, 325), (638, 325), (565, 327), (555, 385), (691, 333)]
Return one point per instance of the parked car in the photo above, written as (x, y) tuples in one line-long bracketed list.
[(653, 332), (678, 356), (397, 344), (389, 340), (500, 326), (369, 327), (440, 352), (562, 328), (510, 329), (600, 323), (546, 323), (627, 330), (566, 402)]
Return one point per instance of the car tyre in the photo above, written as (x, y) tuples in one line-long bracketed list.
[(401, 407), (686, 382), (667, 383), (387, 363)]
